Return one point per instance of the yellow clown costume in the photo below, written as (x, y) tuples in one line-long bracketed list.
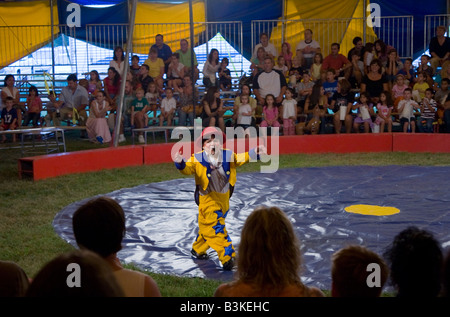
[(214, 187)]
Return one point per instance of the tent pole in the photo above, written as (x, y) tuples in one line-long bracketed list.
[(53, 43), (364, 21), (191, 21), (283, 23), (123, 81)]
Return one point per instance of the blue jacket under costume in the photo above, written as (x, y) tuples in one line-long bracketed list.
[(213, 206)]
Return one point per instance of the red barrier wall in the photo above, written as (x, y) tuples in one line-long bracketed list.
[(40, 167), (421, 142), (45, 166)]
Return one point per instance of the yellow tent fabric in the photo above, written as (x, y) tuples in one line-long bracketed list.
[(331, 21), (24, 28), (158, 15)]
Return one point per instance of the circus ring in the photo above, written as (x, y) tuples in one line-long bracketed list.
[(322, 203)]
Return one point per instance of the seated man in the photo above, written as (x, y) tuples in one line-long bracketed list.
[(164, 51), (269, 81), (186, 55), (74, 99), (439, 48), (338, 62)]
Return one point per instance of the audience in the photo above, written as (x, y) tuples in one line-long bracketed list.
[(14, 282), (357, 271), (268, 259), (415, 261), (99, 226), (371, 68), (88, 276)]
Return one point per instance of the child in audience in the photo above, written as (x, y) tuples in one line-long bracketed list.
[(330, 85), (175, 72), (304, 89), (95, 84), (245, 113), (289, 112), (296, 71), (96, 125), (153, 97), (53, 110), (224, 75), (168, 106), (281, 66), (426, 69), (135, 67), (408, 72), (341, 104), (398, 89), (287, 54), (406, 108), (440, 96), (139, 109), (34, 107), (364, 113), (8, 118), (316, 67), (270, 112), (428, 112), (384, 109), (419, 87)]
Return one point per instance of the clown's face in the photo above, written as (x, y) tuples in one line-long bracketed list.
[(212, 146)]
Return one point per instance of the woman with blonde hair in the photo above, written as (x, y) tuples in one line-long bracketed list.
[(268, 259)]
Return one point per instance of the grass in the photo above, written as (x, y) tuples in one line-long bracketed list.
[(27, 208)]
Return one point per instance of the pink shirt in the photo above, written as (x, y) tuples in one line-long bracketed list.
[(398, 90), (270, 114)]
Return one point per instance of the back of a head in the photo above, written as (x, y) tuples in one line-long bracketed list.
[(415, 260), (350, 272), (13, 280), (269, 251), (446, 277), (80, 273), (99, 226)]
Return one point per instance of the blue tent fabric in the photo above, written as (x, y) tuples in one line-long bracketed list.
[(418, 9), (247, 11), (161, 218)]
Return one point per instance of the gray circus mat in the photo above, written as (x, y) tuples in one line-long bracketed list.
[(161, 218)]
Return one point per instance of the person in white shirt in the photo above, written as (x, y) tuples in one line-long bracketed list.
[(308, 48), (168, 107), (269, 81), (268, 47), (406, 108), (245, 113)]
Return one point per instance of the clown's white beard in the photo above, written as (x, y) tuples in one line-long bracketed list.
[(213, 158)]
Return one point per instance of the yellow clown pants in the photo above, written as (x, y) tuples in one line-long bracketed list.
[(212, 233)]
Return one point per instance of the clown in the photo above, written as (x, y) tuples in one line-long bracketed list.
[(215, 176)]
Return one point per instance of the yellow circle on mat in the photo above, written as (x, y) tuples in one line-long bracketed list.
[(372, 210)]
